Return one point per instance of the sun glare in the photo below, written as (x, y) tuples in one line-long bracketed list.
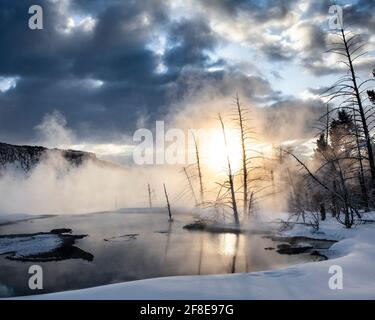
[(216, 152), (228, 244)]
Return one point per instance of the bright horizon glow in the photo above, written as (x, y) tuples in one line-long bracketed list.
[(215, 156)]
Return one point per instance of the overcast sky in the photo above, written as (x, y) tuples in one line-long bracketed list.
[(106, 64)]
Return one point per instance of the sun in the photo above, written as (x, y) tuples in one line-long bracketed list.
[(215, 154)]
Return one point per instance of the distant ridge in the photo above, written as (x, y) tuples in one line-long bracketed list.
[(26, 157)]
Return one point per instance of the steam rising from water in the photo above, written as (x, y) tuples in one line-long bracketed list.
[(54, 186), (53, 131)]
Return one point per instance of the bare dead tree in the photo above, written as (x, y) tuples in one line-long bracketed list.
[(168, 204), (295, 202), (198, 159), (361, 173), (371, 93), (349, 88), (260, 184), (230, 176), (190, 186), (244, 137), (251, 203), (340, 148), (342, 196), (149, 195)]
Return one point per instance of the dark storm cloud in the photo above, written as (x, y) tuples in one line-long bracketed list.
[(23, 51), (45, 61), (115, 48), (104, 78), (190, 39), (55, 69)]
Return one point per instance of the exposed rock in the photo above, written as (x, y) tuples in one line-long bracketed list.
[(289, 249), (61, 231), (214, 227), (305, 241)]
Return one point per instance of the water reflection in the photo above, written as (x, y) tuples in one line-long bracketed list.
[(228, 243), (159, 249), (235, 253), (201, 250), (169, 232), (230, 247)]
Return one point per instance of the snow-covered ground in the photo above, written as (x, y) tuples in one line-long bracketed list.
[(29, 245), (354, 253)]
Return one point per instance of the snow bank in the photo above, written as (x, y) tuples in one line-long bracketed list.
[(26, 246), (354, 253)]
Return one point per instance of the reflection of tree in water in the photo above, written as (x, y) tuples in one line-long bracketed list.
[(235, 253), (229, 246), (168, 240), (246, 254), (200, 259)]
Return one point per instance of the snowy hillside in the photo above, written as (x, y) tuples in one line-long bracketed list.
[(27, 157)]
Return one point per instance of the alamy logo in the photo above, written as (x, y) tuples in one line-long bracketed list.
[(172, 146), (336, 281), (36, 20), (335, 22), (36, 280)]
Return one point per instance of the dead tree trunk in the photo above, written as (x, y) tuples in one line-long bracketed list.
[(334, 200), (360, 107), (168, 204), (361, 174), (199, 169), (191, 186), (322, 211), (149, 196), (348, 208), (251, 200), (231, 177), (244, 156)]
